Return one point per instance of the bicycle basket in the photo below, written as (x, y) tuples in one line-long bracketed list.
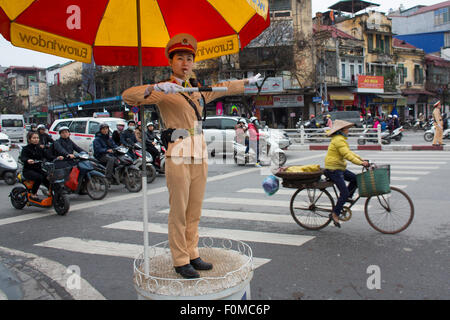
[(374, 182)]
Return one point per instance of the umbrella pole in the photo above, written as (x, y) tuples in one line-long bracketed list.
[(144, 151)]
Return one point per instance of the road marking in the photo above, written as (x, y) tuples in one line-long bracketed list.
[(415, 173), (404, 178), (234, 234), (114, 249), (251, 216), (25, 217), (261, 202), (395, 166)]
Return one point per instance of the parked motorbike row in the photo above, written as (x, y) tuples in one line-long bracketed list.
[(386, 136), (429, 134)]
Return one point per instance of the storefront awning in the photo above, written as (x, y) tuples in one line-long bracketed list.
[(340, 95), (390, 96)]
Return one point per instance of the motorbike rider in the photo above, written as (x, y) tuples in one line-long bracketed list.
[(150, 141), (312, 122), (65, 147), (390, 123), (421, 120), (33, 127), (254, 135), (128, 137), (396, 122), (31, 170), (45, 140), (116, 134), (241, 129), (104, 149)]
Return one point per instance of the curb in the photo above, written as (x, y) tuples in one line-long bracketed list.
[(375, 147)]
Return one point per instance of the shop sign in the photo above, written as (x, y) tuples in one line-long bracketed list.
[(264, 101), (285, 101), (271, 85), (371, 84)]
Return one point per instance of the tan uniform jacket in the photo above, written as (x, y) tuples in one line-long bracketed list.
[(438, 117), (177, 113)]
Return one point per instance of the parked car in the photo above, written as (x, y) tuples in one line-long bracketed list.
[(220, 134), (13, 125), (350, 116), (82, 130)]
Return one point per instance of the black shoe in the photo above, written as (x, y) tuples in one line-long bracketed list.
[(199, 264), (187, 271)]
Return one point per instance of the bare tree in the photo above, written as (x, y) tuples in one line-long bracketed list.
[(9, 101)]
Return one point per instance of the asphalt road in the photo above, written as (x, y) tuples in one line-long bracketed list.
[(354, 262)]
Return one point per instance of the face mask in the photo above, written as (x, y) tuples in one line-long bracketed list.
[(132, 127)]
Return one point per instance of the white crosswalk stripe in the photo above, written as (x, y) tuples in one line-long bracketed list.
[(108, 248), (234, 234)]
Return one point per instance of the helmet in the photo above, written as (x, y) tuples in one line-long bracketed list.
[(104, 125), (63, 128), (33, 126), (390, 116), (253, 119), (395, 116), (328, 115), (150, 124), (312, 116), (242, 120), (41, 126)]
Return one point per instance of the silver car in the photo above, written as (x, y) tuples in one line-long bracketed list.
[(220, 134)]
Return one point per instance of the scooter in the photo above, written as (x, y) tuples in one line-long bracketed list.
[(160, 161), (84, 178), (8, 166), (385, 137), (270, 152), (56, 197), (397, 134), (151, 171), (125, 171), (429, 134)]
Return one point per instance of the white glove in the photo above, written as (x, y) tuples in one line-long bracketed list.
[(167, 87), (254, 79)]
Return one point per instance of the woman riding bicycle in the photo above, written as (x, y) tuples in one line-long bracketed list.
[(336, 166)]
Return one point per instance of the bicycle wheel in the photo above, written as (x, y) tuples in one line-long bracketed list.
[(390, 213), (310, 208)]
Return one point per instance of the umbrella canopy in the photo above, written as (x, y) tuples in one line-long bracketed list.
[(107, 29)]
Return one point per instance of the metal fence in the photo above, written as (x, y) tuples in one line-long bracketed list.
[(304, 135)]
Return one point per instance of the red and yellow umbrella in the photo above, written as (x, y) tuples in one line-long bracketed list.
[(107, 31)]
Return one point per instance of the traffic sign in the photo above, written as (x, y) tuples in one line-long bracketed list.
[(135, 109)]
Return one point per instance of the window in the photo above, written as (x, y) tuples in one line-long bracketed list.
[(360, 69), (212, 124), (93, 127), (441, 16), (15, 123), (418, 74), (228, 123), (62, 124), (78, 127), (343, 70), (370, 41)]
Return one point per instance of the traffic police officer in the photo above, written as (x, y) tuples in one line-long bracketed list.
[(438, 124), (186, 162)]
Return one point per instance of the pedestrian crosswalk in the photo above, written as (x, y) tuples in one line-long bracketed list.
[(242, 213)]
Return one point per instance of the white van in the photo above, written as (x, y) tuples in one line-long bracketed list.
[(13, 125), (83, 130)]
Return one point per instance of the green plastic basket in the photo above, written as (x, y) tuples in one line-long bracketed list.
[(374, 182)]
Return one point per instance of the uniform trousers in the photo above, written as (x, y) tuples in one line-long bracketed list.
[(438, 133), (186, 181)]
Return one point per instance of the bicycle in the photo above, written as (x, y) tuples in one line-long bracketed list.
[(312, 203)]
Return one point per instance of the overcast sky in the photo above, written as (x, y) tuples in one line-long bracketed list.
[(12, 56)]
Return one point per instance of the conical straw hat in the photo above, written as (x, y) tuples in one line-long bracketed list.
[(338, 125)]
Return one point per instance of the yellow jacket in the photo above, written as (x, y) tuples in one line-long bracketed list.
[(338, 152)]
